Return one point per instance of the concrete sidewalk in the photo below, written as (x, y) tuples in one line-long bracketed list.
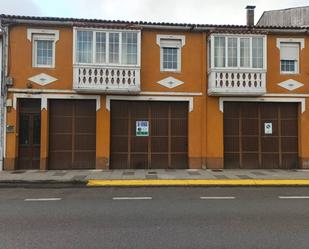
[(158, 177)]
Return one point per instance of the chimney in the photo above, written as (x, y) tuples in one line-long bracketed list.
[(250, 15)]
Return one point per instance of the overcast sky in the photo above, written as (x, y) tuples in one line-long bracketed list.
[(185, 11)]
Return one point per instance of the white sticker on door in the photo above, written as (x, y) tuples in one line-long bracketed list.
[(268, 128)]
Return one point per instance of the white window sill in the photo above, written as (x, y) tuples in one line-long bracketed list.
[(43, 66), (290, 73)]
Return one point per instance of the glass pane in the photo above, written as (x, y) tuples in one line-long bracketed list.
[(219, 51), (244, 52), (170, 58), (24, 130), (84, 46), (114, 47), (257, 52), (100, 47), (129, 48), (44, 52), (288, 66), (232, 52), (36, 129)]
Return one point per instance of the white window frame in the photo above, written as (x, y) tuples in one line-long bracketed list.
[(160, 39), (107, 63), (301, 43), (34, 35), (238, 36)]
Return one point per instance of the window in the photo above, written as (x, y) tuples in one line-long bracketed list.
[(232, 52), (238, 52), (107, 47), (114, 48), (257, 52), (170, 52), (289, 57), (219, 52), (43, 49), (129, 48), (244, 52), (84, 46), (43, 46), (100, 47)]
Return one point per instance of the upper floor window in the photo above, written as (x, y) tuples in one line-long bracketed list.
[(107, 47), (170, 52), (43, 46), (237, 52), (289, 57), (289, 54)]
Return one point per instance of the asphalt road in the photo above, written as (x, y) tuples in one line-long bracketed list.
[(141, 218)]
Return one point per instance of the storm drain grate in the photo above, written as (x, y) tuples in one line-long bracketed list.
[(194, 173), (59, 173), (128, 173), (221, 177), (244, 177), (151, 172), (79, 178), (18, 172), (272, 170), (217, 170), (151, 177), (258, 173)]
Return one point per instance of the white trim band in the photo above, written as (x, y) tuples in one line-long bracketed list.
[(261, 99), (44, 98), (149, 98)]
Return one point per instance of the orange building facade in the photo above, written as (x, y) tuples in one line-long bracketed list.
[(91, 94)]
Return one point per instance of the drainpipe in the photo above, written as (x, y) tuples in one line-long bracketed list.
[(3, 95), (1, 109)]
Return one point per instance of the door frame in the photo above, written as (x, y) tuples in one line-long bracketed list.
[(31, 112), (301, 108)]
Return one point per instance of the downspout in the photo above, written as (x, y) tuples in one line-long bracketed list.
[(4, 73), (1, 109)]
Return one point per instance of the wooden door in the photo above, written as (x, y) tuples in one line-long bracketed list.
[(260, 135), (72, 134), (164, 147), (29, 134)]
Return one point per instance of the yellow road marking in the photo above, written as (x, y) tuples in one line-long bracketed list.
[(196, 182)]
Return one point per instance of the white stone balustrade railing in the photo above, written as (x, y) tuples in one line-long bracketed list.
[(106, 79), (236, 82)]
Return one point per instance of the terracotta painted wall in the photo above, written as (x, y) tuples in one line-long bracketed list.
[(192, 67), (215, 150), (273, 66), (193, 74), (20, 62)]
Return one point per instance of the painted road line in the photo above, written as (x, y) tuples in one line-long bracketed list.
[(198, 182), (43, 199), (132, 198), (293, 197), (217, 197)]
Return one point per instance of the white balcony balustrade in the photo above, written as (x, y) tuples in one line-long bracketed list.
[(106, 79), (236, 82)]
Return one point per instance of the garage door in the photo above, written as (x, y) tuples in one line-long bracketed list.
[(149, 135), (72, 134), (260, 135)]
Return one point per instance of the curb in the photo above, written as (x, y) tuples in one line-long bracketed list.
[(42, 184), (205, 183)]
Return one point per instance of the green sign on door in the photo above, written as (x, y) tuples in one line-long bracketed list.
[(142, 128)]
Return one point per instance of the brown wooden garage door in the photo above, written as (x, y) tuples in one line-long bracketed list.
[(164, 148), (72, 134), (260, 135)]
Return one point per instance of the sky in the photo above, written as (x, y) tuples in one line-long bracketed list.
[(176, 11)]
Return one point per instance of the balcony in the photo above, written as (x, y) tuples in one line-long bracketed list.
[(236, 82), (106, 79)]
